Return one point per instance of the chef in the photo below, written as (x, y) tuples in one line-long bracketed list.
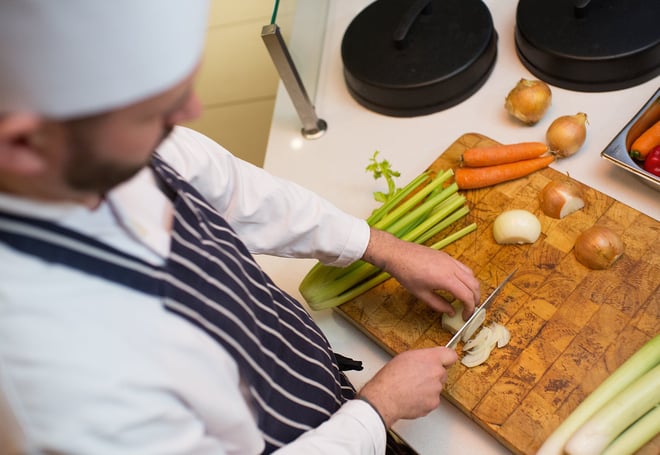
[(133, 317)]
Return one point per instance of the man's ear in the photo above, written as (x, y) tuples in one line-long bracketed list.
[(19, 144)]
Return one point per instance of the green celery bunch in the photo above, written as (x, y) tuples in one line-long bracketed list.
[(415, 213)]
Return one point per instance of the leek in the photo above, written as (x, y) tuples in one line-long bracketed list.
[(616, 415), (637, 435), (415, 213), (642, 361)]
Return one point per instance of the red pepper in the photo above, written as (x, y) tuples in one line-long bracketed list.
[(652, 161)]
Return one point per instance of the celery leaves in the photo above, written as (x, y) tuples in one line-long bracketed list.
[(383, 169)]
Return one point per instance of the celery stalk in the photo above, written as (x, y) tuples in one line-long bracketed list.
[(423, 209), (315, 291), (416, 213), (434, 220), (378, 214), (321, 274), (616, 415), (319, 294), (646, 358), (355, 291), (455, 216), (411, 202), (453, 237), (637, 434)]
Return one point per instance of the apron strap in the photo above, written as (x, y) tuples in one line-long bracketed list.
[(57, 244)]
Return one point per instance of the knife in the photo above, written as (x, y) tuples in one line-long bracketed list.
[(454, 340)]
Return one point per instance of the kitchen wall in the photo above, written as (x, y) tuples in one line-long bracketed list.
[(237, 81)]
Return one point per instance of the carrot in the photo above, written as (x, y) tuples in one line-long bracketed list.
[(645, 142), (500, 154), (479, 177)]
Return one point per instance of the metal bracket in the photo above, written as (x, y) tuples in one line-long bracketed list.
[(313, 126)]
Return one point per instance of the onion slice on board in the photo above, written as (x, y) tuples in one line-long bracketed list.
[(478, 349)]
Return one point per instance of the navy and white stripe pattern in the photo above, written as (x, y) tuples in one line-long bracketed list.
[(211, 280)]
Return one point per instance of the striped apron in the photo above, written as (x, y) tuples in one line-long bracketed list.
[(211, 280)]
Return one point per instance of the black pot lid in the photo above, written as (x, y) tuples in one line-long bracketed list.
[(414, 58), (590, 46)]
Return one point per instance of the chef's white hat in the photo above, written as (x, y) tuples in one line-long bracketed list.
[(70, 58)]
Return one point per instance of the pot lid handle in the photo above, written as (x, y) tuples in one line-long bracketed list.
[(580, 8), (408, 19)]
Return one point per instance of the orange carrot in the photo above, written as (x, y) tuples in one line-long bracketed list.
[(500, 154), (479, 177), (646, 142)]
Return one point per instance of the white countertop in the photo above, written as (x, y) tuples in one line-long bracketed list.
[(333, 166)]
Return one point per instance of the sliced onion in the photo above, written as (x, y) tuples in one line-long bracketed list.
[(482, 338), (478, 349), (474, 325), (598, 247), (503, 334), (561, 198)]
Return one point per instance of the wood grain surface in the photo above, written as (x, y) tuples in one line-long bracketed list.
[(570, 326)]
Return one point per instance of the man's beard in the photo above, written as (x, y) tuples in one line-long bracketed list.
[(98, 177), (86, 173)]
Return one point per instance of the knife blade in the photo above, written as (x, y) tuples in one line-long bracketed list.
[(489, 300)]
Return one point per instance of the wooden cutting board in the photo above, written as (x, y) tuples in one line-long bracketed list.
[(570, 326)]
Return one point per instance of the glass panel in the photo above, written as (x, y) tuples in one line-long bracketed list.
[(305, 40)]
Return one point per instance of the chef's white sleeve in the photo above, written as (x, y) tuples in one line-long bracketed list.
[(270, 214)]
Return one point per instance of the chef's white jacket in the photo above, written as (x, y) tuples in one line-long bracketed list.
[(90, 367)]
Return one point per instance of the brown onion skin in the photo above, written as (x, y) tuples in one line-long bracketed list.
[(555, 194), (528, 101), (598, 247), (566, 134)]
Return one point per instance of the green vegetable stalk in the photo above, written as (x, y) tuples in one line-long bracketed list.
[(383, 169), (638, 434), (606, 424), (646, 359), (415, 213)]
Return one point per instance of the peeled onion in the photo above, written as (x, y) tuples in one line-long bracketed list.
[(566, 134), (528, 100), (598, 247), (516, 226), (561, 198), (453, 323)]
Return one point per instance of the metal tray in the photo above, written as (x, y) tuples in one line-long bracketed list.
[(617, 150)]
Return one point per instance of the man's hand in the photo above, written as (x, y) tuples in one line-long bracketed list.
[(409, 385), (423, 271)]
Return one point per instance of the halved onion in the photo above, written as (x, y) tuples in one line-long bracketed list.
[(560, 198), (516, 226), (598, 247)]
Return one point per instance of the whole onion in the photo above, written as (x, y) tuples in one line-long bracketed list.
[(566, 134), (528, 100), (598, 247)]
